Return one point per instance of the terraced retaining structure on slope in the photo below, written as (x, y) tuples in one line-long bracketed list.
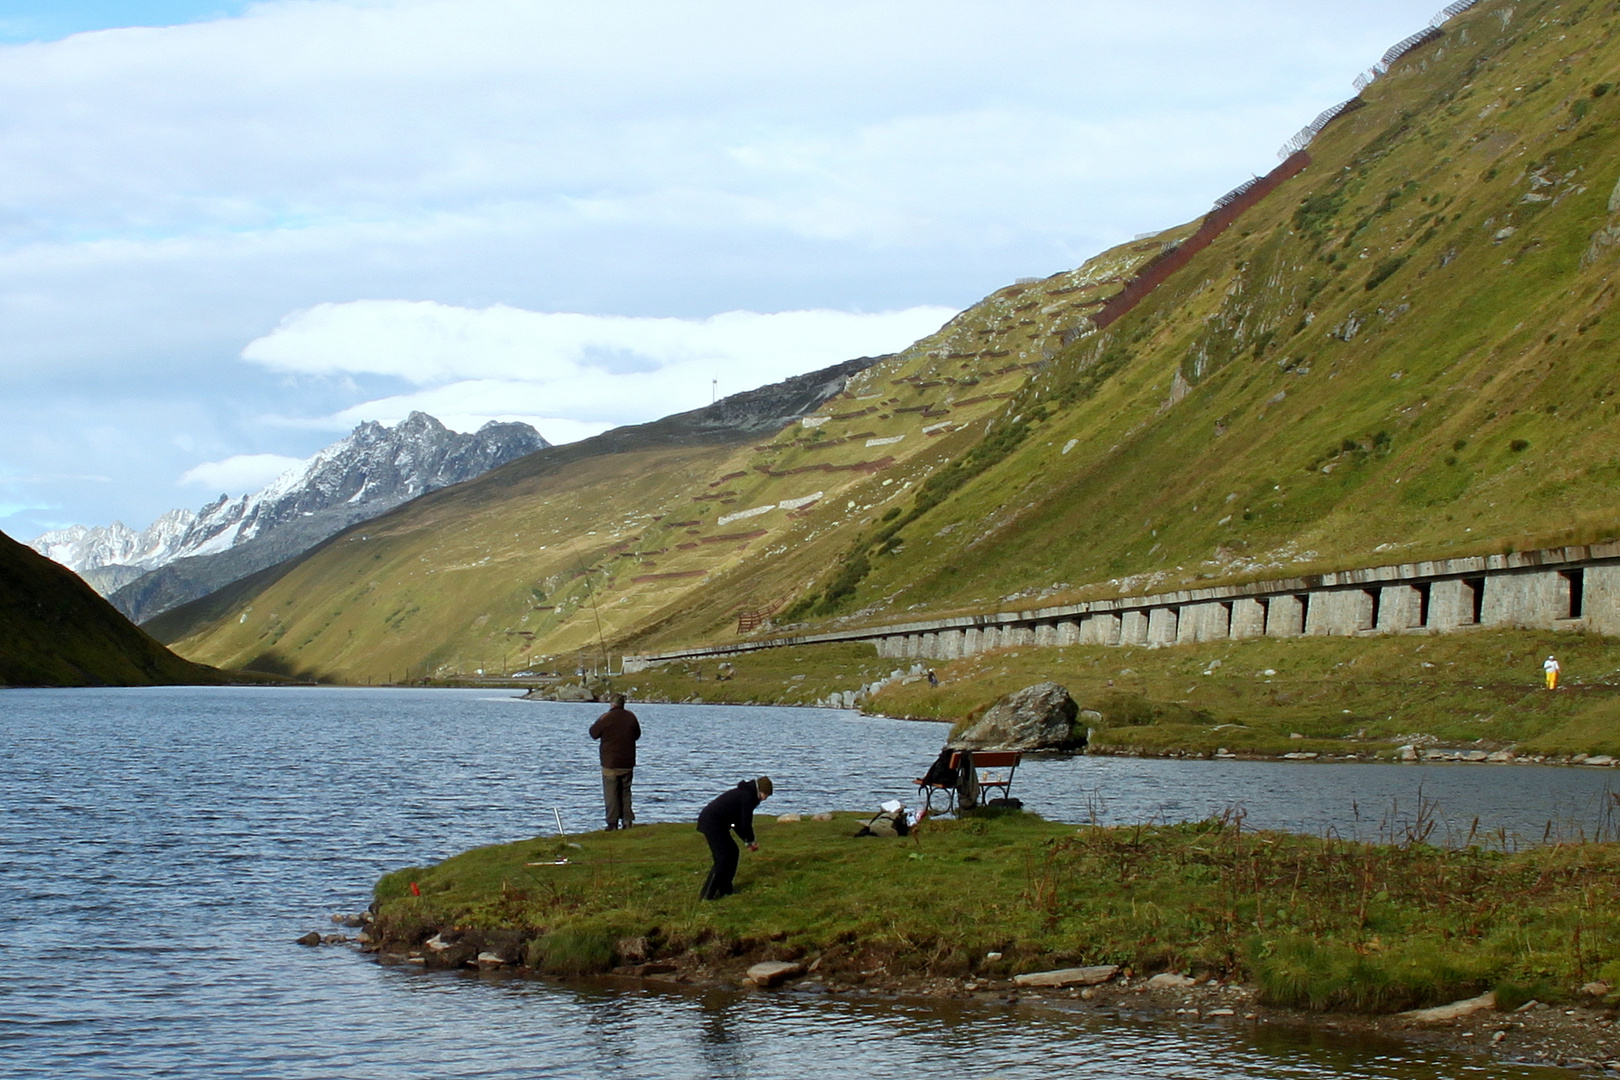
[(1572, 588)]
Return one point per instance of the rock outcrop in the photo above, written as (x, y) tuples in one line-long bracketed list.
[(1039, 717)]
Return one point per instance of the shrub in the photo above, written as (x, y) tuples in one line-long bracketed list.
[(574, 951)]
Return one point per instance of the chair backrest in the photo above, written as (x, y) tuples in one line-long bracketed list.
[(996, 759)]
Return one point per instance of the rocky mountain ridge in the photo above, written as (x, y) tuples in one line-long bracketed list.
[(368, 472)]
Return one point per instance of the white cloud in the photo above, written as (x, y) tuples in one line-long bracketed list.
[(243, 472), (169, 194), (588, 370)]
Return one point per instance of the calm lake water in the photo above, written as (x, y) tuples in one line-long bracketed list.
[(160, 849)]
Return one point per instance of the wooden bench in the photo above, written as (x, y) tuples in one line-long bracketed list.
[(993, 770)]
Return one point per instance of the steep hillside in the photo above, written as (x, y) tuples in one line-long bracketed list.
[(1404, 348), (55, 631), (592, 543)]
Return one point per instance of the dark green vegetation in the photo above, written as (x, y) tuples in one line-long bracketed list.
[(55, 631), (1314, 923), (1407, 350)]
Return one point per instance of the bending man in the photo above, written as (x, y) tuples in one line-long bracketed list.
[(733, 810), (617, 730)]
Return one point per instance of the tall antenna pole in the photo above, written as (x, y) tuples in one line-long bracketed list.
[(714, 391)]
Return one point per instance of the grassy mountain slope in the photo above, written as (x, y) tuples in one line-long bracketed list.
[(55, 631), (603, 539), (1405, 350)]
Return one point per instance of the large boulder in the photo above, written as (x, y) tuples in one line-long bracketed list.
[(1039, 717)]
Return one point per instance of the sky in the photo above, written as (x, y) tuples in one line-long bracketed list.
[(229, 232)]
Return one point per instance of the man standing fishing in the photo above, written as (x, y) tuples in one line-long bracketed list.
[(732, 810), (617, 730)]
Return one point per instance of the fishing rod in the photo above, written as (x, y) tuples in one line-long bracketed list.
[(596, 611)]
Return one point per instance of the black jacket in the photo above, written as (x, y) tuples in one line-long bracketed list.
[(733, 810), (618, 730)]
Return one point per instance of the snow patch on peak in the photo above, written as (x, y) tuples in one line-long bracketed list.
[(372, 465)]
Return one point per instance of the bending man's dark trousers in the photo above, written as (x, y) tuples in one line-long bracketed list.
[(724, 850)]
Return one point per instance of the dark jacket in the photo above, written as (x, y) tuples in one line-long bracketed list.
[(618, 729), (733, 810)]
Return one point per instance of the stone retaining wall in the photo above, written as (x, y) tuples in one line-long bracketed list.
[(1575, 588)]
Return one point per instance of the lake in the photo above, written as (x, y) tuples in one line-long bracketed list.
[(160, 849)]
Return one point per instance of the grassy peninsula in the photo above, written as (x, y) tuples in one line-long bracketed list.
[(1307, 923)]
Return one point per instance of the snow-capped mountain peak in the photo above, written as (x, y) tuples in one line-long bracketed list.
[(372, 469)]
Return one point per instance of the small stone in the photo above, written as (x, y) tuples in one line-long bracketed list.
[(334, 939), (1223, 1012), (311, 938), (1596, 989), (771, 972), (1077, 976), (489, 959), (1498, 1037), (1528, 1006), (992, 956), (1170, 981), (790, 819), (823, 816)]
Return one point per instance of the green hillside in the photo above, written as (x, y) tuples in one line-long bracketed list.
[(55, 631), (1404, 350)]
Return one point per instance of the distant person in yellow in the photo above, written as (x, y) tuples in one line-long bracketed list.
[(1550, 666)]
